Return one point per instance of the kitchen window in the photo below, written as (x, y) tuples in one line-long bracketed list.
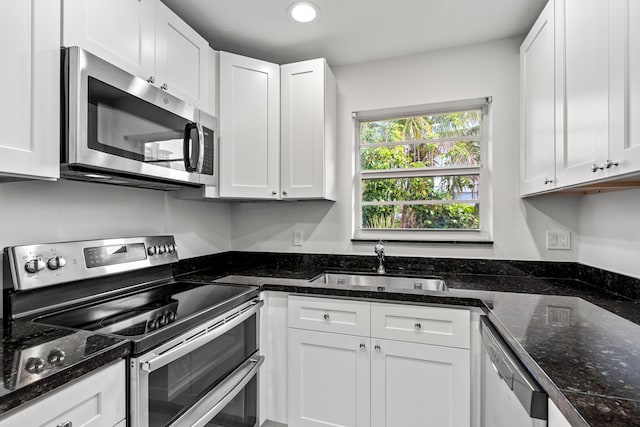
[(421, 173)]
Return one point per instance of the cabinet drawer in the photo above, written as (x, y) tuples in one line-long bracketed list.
[(96, 400), (329, 315), (426, 325)]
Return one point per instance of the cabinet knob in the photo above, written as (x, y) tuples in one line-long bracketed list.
[(377, 347), (548, 181), (284, 193), (327, 317), (151, 79), (274, 192), (164, 87), (596, 168), (418, 325), (363, 346), (610, 163)]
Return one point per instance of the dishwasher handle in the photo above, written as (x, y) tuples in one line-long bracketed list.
[(510, 369)]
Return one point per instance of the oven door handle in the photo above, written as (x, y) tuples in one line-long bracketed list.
[(216, 400), (197, 341)]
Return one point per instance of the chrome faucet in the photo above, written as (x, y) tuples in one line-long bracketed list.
[(379, 250)]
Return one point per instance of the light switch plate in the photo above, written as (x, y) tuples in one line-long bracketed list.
[(297, 237)]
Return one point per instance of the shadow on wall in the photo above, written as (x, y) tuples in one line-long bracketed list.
[(552, 212), (274, 222)]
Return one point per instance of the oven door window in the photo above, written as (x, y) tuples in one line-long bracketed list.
[(176, 387), (123, 125)]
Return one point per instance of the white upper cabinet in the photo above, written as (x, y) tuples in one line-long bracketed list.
[(537, 118), (182, 59), (308, 139), (595, 58), (30, 116), (121, 32), (145, 38), (582, 96), (624, 86), (249, 128)]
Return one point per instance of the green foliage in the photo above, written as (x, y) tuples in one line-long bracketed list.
[(463, 150)]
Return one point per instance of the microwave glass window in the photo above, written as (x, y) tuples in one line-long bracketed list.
[(126, 126)]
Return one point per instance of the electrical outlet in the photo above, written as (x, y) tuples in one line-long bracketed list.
[(297, 237), (558, 239)]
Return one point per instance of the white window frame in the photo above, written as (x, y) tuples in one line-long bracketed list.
[(484, 233)]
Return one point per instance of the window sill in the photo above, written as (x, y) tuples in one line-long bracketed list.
[(427, 241)]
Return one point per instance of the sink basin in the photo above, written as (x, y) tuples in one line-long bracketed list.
[(382, 282)]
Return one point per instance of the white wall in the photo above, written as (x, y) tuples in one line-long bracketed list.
[(490, 69), (40, 212), (609, 231)]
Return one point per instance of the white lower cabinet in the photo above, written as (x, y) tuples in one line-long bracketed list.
[(362, 379), (95, 400), (419, 385), (556, 419), (330, 385)]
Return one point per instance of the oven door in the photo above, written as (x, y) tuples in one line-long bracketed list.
[(206, 377)]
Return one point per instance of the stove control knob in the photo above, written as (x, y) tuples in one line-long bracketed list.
[(35, 365), (162, 249), (170, 248), (34, 265), (152, 250), (171, 316), (152, 325), (162, 320), (56, 357), (56, 263)]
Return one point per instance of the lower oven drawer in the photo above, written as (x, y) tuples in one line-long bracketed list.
[(206, 374)]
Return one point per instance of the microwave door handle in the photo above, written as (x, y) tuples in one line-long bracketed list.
[(200, 156), (217, 399), (188, 147), (159, 360)]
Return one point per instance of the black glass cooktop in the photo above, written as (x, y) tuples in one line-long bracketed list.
[(155, 315)]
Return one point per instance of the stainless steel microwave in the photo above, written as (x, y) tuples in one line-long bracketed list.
[(120, 129)]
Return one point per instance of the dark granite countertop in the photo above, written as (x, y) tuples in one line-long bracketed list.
[(20, 340), (580, 342)]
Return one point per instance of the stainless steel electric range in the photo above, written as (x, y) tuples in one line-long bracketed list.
[(194, 346)]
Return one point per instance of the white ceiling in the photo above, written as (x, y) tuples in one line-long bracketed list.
[(353, 31)]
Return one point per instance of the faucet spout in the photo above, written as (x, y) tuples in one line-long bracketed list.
[(379, 250)]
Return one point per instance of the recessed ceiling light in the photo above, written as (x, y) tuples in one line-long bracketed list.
[(303, 11)]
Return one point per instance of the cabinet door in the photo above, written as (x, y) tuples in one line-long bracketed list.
[(182, 59), (329, 380), (537, 97), (249, 128), (119, 31), (97, 400), (624, 78), (30, 115), (308, 131), (419, 385), (582, 96)]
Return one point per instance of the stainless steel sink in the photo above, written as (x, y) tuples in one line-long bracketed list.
[(382, 282)]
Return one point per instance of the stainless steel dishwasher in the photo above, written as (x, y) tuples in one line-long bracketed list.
[(510, 397)]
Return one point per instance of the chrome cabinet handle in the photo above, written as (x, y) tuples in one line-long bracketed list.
[(326, 317), (596, 168), (164, 87), (151, 79), (363, 346), (548, 181), (377, 347), (65, 424), (418, 325), (610, 163)]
